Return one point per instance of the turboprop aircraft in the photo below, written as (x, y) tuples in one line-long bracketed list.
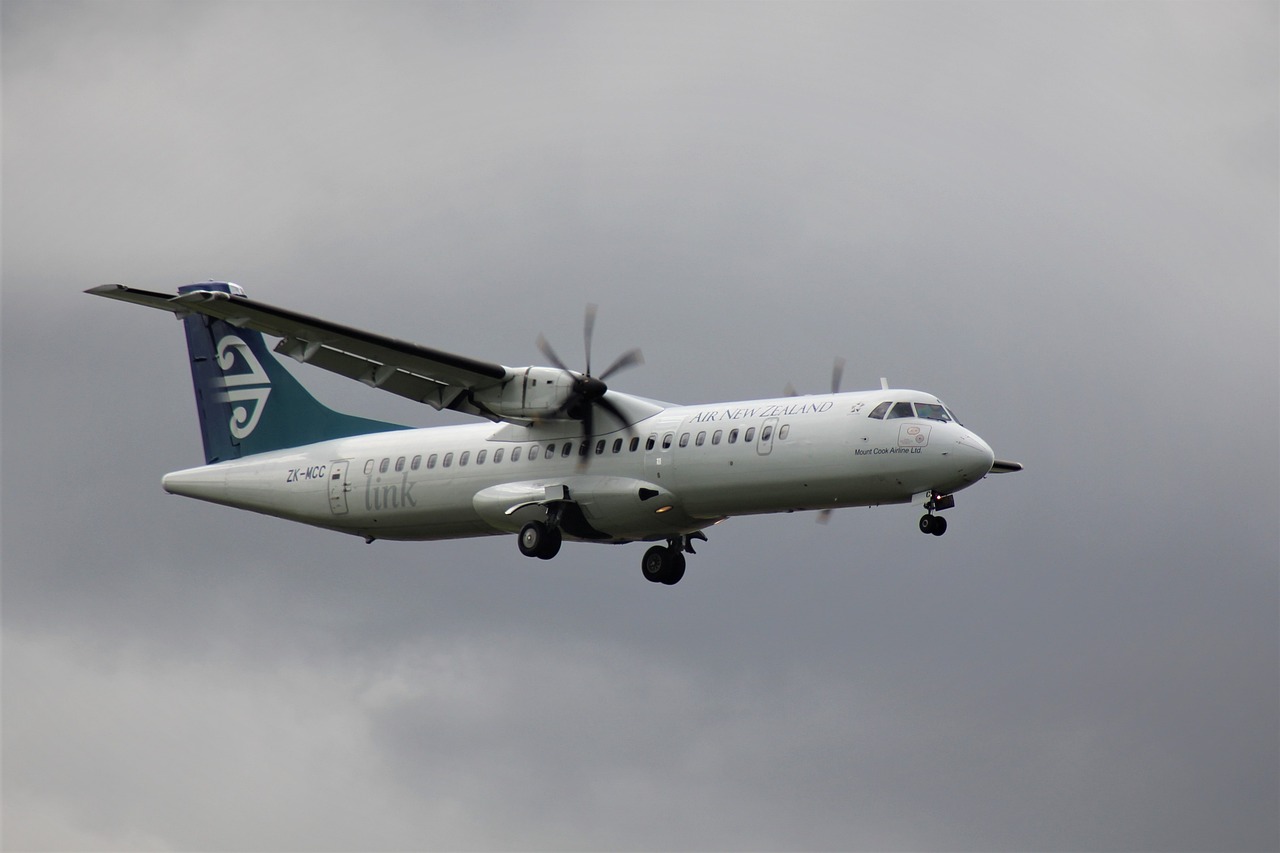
[(561, 456)]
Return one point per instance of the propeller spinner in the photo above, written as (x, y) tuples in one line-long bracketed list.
[(587, 391)]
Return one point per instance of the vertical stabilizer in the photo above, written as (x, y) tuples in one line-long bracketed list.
[(247, 402)]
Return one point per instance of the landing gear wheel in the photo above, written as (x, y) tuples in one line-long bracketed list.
[(935, 524), (539, 540), (654, 564), (663, 565), (675, 568)]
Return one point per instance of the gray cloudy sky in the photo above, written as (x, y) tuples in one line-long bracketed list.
[(1060, 217)]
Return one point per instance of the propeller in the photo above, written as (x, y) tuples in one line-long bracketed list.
[(587, 391), (837, 374)]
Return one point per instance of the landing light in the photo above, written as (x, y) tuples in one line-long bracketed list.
[(666, 508)]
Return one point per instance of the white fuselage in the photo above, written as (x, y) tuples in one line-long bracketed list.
[(670, 474)]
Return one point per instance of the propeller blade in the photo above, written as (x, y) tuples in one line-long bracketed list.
[(824, 515), (790, 391), (589, 331), (629, 358), (589, 420), (837, 373), (545, 346), (610, 407)]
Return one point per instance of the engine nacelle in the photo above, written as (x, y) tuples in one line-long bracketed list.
[(532, 393)]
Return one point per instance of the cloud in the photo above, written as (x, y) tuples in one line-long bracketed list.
[(1061, 218)]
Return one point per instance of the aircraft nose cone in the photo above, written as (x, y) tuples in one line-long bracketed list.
[(975, 456)]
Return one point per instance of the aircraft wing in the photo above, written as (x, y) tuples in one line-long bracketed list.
[(439, 379)]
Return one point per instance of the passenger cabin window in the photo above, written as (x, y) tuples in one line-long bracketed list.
[(448, 460), (635, 444), (880, 411), (719, 434), (497, 455), (480, 457), (901, 410), (464, 458), (666, 440), (567, 449), (386, 463), (784, 431), (751, 434), (650, 442), (766, 433), (368, 467), (600, 446), (617, 445), (431, 460), (733, 436), (701, 439), (515, 454), (400, 464), (416, 463), (684, 439), (533, 453)]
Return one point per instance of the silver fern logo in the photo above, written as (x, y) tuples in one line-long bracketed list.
[(250, 388)]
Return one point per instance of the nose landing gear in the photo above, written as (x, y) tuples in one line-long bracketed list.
[(936, 524)]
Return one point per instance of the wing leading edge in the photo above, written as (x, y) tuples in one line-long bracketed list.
[(440, 379)]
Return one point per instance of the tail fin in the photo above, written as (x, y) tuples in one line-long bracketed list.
[(247, 402)]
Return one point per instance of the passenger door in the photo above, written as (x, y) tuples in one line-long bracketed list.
[(338, 487)]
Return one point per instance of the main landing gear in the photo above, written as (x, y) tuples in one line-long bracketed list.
[(665, 563), (538, 539), (661, 564)]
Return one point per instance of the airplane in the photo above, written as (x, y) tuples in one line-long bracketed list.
[(561, 456)]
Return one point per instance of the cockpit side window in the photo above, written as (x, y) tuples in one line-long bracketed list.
[(880, 411), (932, 411), (901, 410)]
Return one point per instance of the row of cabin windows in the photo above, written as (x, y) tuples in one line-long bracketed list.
[(536, 451)]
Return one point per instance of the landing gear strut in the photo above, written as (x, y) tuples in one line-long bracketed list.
[(538, 539)]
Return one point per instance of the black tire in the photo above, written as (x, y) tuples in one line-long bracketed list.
[(675, 568), (939, 526), (926, 523), (533, 537), (550, 544), (654, 564)]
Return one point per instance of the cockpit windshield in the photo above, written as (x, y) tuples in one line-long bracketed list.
[(932, 412), (929, 411)]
